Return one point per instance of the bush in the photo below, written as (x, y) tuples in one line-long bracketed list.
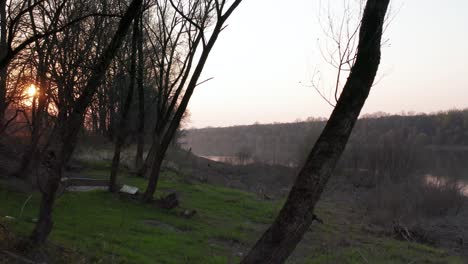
[(414, 199)]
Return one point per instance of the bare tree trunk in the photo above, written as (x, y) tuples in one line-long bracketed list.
[(168, 134), (45, 223), (3, 70), (65, 135), (147, 163), (153, 172), (103, 108), (3, 99), (94, 119), (112, 109), (295, 218), (115, 164), (141, 100), (160, 145), (31, 156), (122, 130), (152, 166)]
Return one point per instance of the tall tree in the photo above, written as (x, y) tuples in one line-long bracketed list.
[(125, 110), (295, 218), (3, 54), (65, 133), (199, 15), (43, 51), (141, 99), (18, 32)]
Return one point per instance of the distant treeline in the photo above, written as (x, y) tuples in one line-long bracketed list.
[(288, 143)]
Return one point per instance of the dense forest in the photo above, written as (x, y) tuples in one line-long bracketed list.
[(284, 143), (113, 69)]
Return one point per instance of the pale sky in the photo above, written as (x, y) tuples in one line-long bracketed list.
[(269, 51)]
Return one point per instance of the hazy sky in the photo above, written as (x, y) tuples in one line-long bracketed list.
[(269, 51)]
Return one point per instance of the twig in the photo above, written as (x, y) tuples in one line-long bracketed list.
[(202, 82), (362, 256), (24, 205)]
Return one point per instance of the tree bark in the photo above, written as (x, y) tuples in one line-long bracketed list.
[(31, 156), (45, 222), (295, 218), (153, 172), (3, 70), (141, 100), (122, 131), (102, 111), (65, 135), (3, 99)]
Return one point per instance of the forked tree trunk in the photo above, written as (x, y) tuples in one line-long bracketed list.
[(65, 135), (153, 171), (295, 218), (168, 128)]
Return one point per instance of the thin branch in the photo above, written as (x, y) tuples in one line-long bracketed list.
[(202, 82)]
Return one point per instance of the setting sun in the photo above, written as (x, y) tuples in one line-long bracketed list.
[(31, 91), (29, 94)]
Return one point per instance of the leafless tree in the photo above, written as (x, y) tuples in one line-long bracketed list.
[(141, 98), (3, 53), (179, 75), (43, 51), (296, 216), (340, 23), (17, 32), (244, 155), (122, 130), (64, 135)]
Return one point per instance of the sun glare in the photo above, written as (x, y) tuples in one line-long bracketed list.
[(29, 94), (31, 91)]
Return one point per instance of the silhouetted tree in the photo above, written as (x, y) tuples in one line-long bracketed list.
[(140, 133), (65, 133), (125, 111), (244, 154), (199, 15), (296, 216)]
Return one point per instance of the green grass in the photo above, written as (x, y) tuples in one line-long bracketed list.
[(385, 252), (108, 229)]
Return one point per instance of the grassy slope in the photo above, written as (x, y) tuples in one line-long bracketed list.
[(112, 230)]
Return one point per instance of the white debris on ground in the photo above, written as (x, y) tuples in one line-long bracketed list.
[(129, 189)]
